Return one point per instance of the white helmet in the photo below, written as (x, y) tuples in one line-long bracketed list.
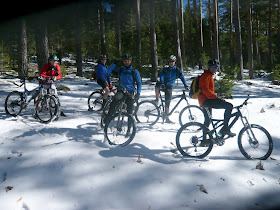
[(172, 58)]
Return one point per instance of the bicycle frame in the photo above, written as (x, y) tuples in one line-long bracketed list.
[(182, 97)]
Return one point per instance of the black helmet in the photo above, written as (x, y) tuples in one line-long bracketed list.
[(53, 57), (126, 57), (103, 57), (213, 62)]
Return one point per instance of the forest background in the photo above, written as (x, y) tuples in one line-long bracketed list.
[(241, 34)]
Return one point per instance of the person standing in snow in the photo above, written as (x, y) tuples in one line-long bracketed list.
[(168, 77), (51, 70), (128, 77), (208, 98), (103, 78)]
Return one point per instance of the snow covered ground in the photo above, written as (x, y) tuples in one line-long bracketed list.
[(67, 165)]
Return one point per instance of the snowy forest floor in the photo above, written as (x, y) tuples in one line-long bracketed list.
[(67, 165)]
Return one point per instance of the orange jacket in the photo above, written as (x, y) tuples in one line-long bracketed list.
[(206, 85)]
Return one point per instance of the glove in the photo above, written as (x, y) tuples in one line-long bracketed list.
[(136, 98), (110, 86), (116, 61), (187, 87)]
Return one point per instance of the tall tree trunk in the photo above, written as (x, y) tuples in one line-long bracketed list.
[(78, 42), (278, 31), (176, 35), (22, 50), (210, 29), (269, 36), (118, 29), (138, 29), (182, 29), (231, 45), (153, 42), (216, 30), (201, 29), (238, 39), (42, 45), (102, 27), (197, 37), (250, 39), (190, 44)]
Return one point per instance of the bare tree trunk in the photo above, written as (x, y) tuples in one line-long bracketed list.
[(238, 39), (22, 50), (153, 42), (42, 46), (182, 29), (102, 27), (231, 46), (176, 36), (138, 29), (250, 39), (216, 30), (118, 29), (201, 29), (197, 37), (78, 42), (269, 36), (190, 33), (210, 29)]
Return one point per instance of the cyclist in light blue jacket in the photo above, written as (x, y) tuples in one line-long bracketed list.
[(168, 77)]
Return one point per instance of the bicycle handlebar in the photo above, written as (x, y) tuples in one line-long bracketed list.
[(244, 103)]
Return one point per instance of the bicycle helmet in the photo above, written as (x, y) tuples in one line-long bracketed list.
[(103, 57), (172, 58), (127, 57), (213, 62), (53, 57)]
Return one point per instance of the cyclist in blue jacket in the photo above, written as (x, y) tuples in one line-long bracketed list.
[(103, 78), (128, 77), (168, 77)]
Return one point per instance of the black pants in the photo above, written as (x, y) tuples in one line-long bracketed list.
[(219, 104), (119, 97), (168, 93)]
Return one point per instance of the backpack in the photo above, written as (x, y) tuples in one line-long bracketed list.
[(194, 89), (93, 75)]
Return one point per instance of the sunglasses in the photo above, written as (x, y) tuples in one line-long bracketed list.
[(171, 61), (215, 67)]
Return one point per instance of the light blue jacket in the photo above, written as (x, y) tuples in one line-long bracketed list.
[(169, 75)]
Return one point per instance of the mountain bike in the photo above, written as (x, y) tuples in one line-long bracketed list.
[(120, 129), (95, 99), (148, 112), (17, 101), (196, 140)]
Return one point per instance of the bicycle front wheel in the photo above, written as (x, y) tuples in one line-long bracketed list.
[(14, 103), (120, 129), (95, 101), (193, 140), (192, 113), (255, 142), (147, 112), (46, 108)]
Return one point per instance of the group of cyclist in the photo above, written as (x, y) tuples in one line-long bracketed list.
[(130, 77)]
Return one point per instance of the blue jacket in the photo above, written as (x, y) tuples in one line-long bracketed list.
[(102, 73), (126, 78), (169, 75)]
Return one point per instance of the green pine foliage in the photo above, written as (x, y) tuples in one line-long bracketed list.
[(223, 86)]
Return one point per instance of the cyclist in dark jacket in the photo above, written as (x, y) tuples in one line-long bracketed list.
[(168, 77)]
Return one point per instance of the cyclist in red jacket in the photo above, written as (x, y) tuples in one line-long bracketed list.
[(51, 70)]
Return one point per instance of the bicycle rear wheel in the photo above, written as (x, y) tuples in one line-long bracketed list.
[(193, 140), (147, 112), (46, 108), (14, 103), (120, 129), (255, 143), (95, 101), (192, 113)]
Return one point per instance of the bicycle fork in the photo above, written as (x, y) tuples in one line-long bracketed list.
[(252, 138)]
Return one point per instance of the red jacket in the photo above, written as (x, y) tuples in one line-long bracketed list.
[(49, 71), (206, 85)]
